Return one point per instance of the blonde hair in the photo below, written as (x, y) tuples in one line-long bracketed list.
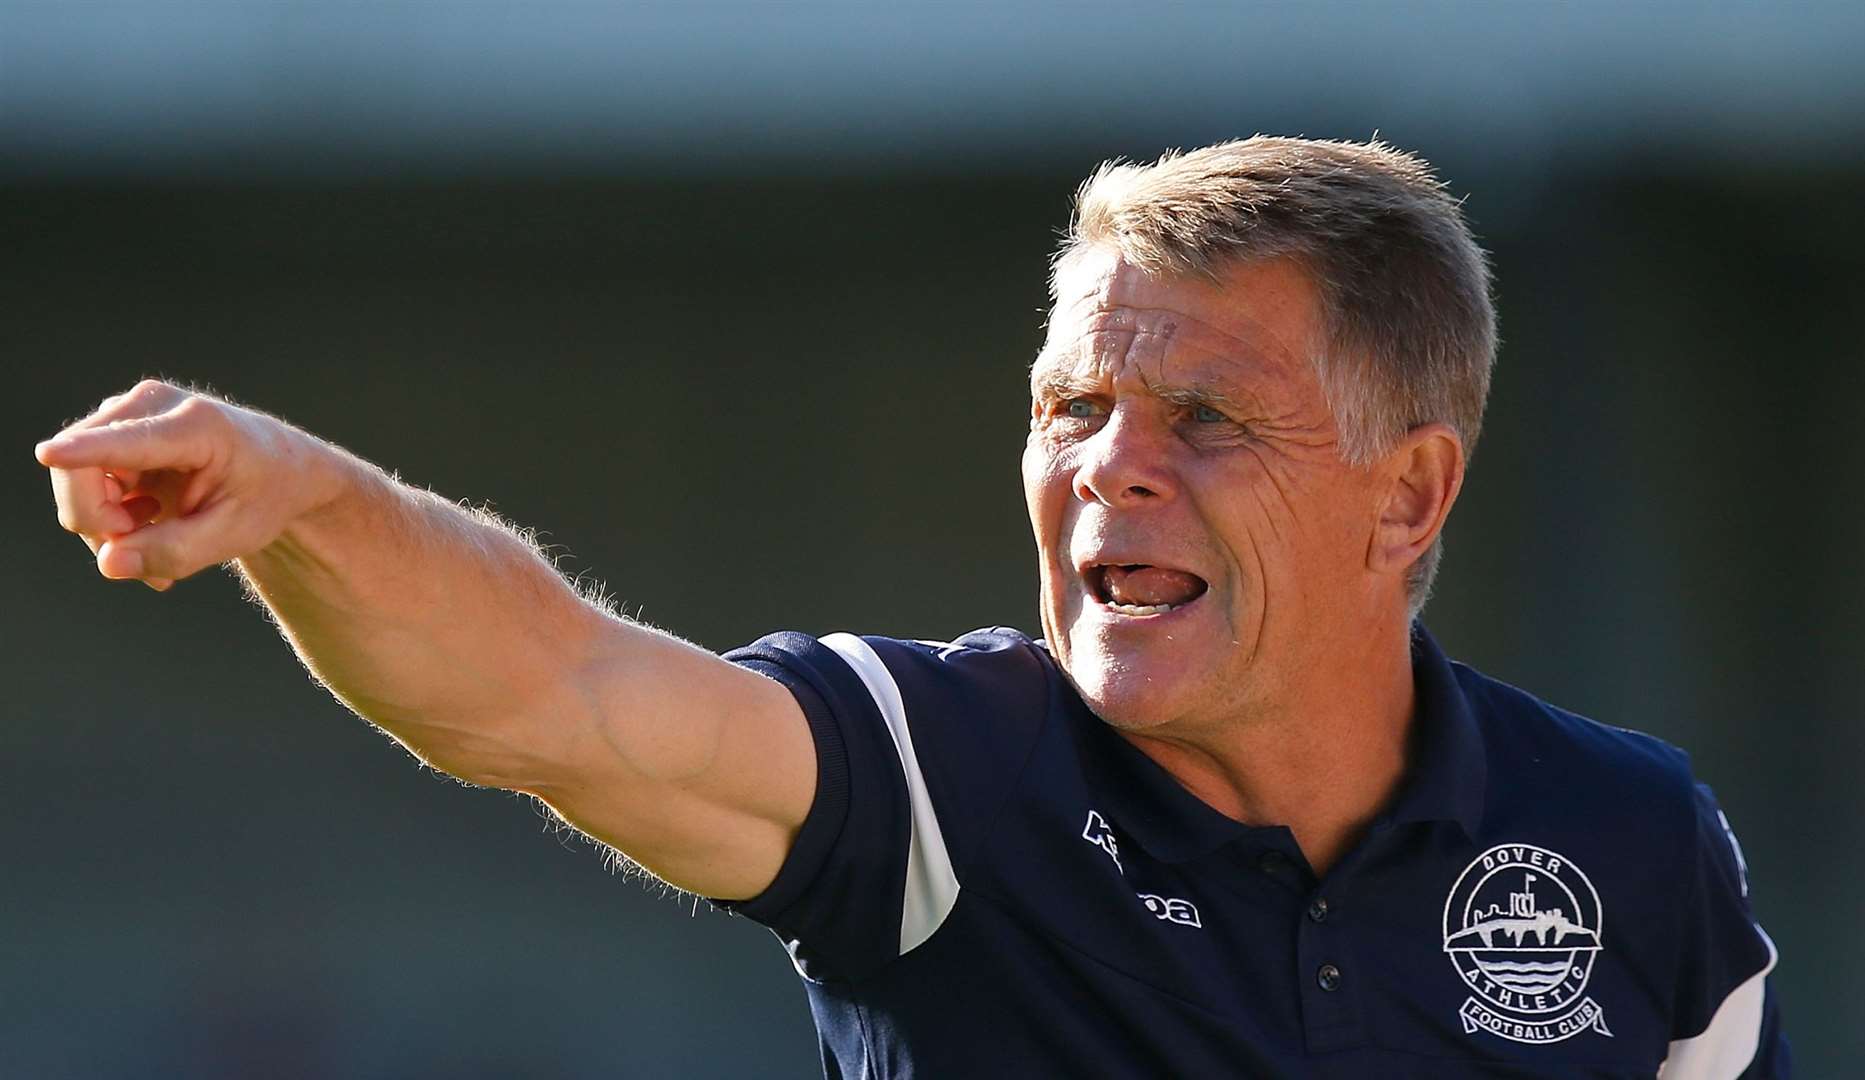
[(1404, 288)]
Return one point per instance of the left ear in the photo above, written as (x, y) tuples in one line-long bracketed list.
[(1419, 480)]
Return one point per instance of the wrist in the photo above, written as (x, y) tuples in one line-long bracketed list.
[(328, 487), (330, 480)]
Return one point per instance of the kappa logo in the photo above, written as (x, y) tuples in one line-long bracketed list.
[(1098, 832), (1101, 835), (1172, 909), (1522, 927)]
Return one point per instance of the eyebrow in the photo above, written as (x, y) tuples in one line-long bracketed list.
[(1066, 384), (1187, 396), (1062, 384)]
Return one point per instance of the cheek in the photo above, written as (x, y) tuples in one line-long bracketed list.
[(1045, 493), (1264, 528), (1296, 528), (1032, 478)]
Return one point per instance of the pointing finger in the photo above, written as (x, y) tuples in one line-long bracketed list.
[(146, 398), (154, 442)]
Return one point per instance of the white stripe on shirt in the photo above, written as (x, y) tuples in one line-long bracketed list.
[(1728, 1045), (932, 887)]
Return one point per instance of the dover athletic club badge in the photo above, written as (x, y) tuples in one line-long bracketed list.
[(1522, 927)]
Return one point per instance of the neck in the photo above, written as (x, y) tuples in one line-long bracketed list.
[(1322, 759)]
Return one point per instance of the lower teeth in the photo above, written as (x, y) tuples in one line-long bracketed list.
[(1140, 609)]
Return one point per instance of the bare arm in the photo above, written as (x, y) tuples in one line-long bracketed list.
[(451, 632)]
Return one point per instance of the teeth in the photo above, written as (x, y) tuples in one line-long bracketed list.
[(1139, 609)]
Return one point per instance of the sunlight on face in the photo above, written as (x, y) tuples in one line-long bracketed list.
[(1197, 531)]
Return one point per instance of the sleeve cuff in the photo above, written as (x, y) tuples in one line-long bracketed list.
[(828, 811)]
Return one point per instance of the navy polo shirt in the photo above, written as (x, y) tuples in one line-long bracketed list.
[(993, 882)]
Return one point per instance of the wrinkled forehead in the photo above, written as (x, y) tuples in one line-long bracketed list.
[(1254, 321)]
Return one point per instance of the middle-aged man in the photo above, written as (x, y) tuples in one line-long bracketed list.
[(1235, 815)]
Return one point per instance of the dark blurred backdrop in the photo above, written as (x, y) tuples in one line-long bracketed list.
[(735, 304)]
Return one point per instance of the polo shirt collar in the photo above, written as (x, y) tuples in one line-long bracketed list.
[(1446, 783), (1449, 776)]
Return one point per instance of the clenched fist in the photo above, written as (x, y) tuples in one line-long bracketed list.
[(163, 482)]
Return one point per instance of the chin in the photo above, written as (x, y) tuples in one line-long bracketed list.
[(1128, 692)]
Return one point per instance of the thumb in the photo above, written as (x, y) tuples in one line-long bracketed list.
[(168, 551)]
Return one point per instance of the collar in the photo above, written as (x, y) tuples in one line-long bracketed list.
[(1449, 777), (1447, 780)]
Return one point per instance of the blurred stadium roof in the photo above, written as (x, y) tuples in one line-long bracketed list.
[(343, 89)]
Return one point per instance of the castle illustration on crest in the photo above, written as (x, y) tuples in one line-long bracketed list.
[(1550, 929)]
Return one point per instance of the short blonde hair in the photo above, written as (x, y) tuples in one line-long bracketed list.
[(1404, 288)]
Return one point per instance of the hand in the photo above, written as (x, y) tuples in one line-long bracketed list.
[(163, 482)]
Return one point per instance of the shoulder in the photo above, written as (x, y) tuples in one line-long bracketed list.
[(964, 713), (1540, 749), (973, 704), (996, 664), (1517, 722)]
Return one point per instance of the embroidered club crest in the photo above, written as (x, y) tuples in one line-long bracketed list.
[(1522, 927)]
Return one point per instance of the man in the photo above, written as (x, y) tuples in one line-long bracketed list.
[(1235, 815)]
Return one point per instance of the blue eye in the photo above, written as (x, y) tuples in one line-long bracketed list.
[(1205, 414), (1080, 408)]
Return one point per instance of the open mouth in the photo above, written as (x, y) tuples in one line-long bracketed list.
[(1141, 589)]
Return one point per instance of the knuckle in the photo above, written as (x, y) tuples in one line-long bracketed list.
[(149, 388), (199, 411)]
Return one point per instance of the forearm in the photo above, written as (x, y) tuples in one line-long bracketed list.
[(438, 624), (451, 631)]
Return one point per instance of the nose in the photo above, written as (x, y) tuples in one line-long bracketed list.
[(1125, 464)]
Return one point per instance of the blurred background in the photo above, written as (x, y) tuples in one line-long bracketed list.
[(735, 303)]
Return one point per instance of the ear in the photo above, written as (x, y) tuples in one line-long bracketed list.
[(1420, 480)]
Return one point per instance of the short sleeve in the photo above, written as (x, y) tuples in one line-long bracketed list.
[(916, 743), (1726, 1022)]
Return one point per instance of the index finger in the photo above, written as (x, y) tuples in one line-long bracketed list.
[(151, 442)]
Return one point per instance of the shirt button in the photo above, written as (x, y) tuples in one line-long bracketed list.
[(1319, 909), (1328, 978)]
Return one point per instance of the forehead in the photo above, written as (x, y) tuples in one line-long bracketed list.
[(1256, 324)]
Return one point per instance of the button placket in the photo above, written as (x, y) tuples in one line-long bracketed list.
[(1331, 1014)]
